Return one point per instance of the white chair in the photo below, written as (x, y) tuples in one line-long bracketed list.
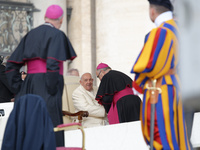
[(70, 84)]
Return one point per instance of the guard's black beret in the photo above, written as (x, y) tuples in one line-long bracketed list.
[(165, 3)]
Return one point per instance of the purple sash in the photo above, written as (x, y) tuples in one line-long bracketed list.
[(113, 117), (39, 66)]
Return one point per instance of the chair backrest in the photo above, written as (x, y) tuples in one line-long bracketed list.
[(70, 84), (71, 79)]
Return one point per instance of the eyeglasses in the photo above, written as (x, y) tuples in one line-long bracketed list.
[(23, 73), (99, 74)]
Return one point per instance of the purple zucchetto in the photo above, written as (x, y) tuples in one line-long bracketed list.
[(54, 12), (102, 65)]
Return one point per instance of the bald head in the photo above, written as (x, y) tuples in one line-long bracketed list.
[(87, 81)]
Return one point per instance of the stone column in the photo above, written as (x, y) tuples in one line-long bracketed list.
[(189, 23), (120, 30), (80, 31)]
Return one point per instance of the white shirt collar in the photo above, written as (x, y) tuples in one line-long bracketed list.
[(46, 23), (163, 17)]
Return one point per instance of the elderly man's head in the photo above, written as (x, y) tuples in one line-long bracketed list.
[(87, 81), (73, 72), (54, 16), (101, 70)]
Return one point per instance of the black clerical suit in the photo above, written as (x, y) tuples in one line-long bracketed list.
[(43, 49), (5, 92), (127, 106)]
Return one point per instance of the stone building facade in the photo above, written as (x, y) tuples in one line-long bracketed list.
[(109, 31)]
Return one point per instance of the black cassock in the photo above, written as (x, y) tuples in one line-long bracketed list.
[(43, 49), (128, 106), (5, 92)]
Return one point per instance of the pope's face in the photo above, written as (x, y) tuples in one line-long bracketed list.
[(87, 81)]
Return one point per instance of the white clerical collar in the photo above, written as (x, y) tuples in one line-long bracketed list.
[(46, 23), (163, 17)]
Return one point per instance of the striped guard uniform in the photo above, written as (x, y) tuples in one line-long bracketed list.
[(157, 58)]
